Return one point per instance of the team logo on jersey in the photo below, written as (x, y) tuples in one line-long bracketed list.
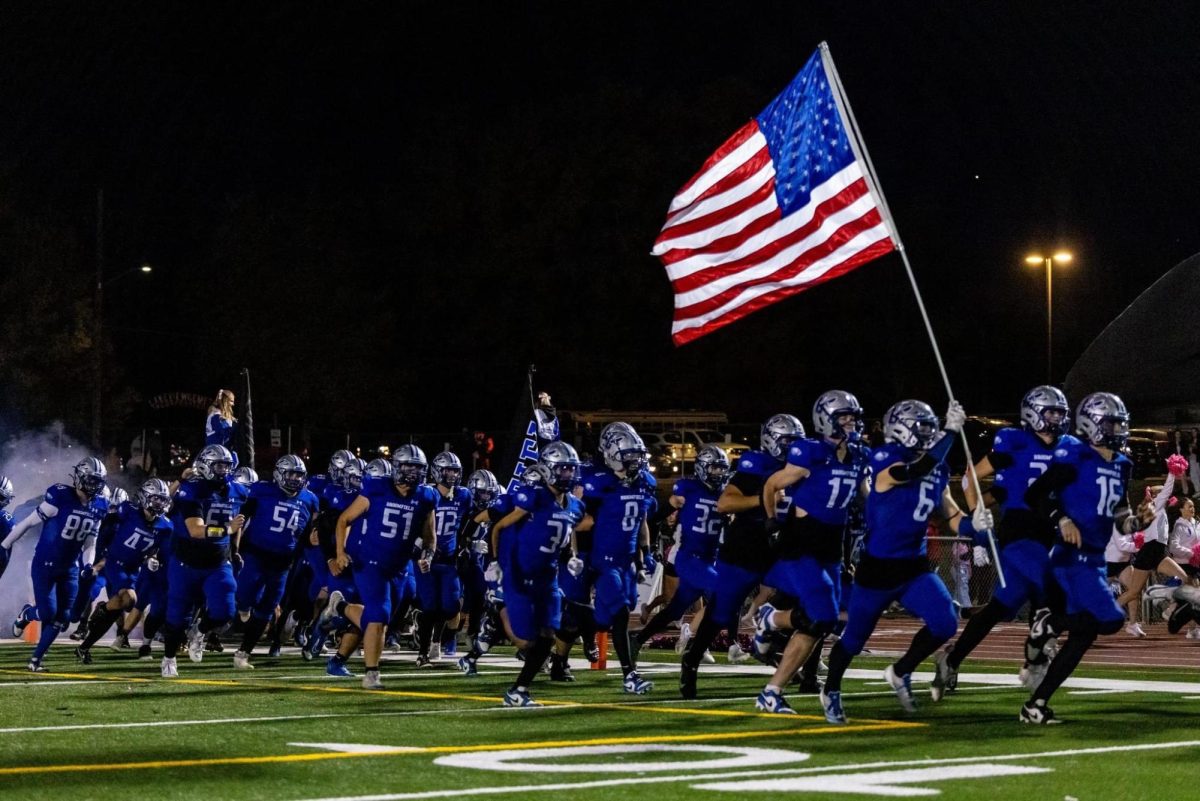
[(1060, 452), (881, 456)]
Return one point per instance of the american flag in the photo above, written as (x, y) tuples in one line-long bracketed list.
[(783, 205)]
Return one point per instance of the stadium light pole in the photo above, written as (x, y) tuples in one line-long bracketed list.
[(98, 322), (1036, 259)]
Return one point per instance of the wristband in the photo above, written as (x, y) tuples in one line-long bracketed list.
[(214, 532)]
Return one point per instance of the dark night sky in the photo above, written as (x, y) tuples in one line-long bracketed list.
[(424, 197)]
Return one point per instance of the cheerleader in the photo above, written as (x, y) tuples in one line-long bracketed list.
[(1152, 555)]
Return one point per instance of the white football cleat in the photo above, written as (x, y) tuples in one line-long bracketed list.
[(195, 645), (169, 669), (241, 661)]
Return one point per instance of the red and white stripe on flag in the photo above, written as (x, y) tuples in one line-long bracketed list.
[(730, 251)]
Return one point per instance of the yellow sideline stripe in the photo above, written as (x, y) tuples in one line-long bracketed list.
[(452, 749)]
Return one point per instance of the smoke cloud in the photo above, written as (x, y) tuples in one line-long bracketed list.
[(34, 461)]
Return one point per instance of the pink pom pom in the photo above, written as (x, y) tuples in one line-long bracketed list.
[(1195, 560), (1177, 465), (1139, 540), (1173, 501)]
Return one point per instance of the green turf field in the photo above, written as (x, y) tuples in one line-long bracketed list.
[(285, 731)]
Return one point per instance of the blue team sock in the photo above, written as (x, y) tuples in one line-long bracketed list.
[(49, 634)]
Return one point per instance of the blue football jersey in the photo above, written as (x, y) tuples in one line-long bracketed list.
[(65, 531), (6, 524), (451, 514), (897, 519), (543, 533), (499, 509), (826, 493), (1026, 457), (745, 542), (619, 510), (275, 521), (700, 527), (1092, 499), (318, 485), (217, 430), (393, 523), (215, 502), (127, 537)]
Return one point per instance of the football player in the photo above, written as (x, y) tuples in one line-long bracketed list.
[(908, 482), (546, 516), (439, 587), (619, 497), (1018, 456), (70, 518), (494, 624), (1084, 495), (206, 514), (129, 542), (396, 515), (473, 548), (336, 501), (700, 530), (279, 514), (7, 493), (745, 554), (822, 476)]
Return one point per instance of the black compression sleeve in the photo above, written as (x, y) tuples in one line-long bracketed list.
[(999, 461), (913, 470), (1043, 495)]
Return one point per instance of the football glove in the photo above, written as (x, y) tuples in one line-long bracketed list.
[(955, 417)]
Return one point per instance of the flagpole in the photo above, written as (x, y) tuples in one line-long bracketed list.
[(872, 180)]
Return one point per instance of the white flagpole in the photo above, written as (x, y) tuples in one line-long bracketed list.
[(860, 152)]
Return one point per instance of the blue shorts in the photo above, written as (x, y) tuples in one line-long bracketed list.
[(374, 584), (440, 590), (315, 558), (696, 573), (152, 590), (815, 584), (260, 587), (925, 596), (733, 584), (1086, 586), (188, 586), (1026, 565), (119, 577), (532, 608), (577, 589), (54, 591), (697, 577), (615, 588)]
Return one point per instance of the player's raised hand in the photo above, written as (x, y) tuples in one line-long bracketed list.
[(955, 417)]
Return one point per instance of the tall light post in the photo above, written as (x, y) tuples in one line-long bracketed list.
[(98, 322), (1061, 257)]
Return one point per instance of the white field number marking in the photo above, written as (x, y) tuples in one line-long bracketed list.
[(523, 760)]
